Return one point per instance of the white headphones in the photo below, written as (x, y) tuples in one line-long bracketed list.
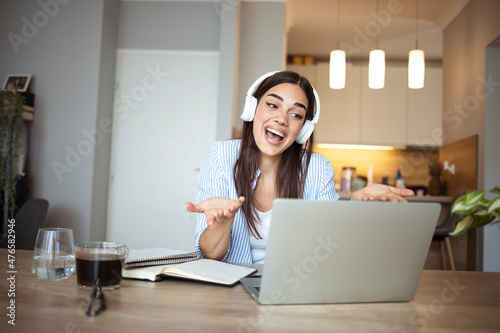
[(251, 105)]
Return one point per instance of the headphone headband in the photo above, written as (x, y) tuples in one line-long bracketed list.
[(257, 82), (251, 105)]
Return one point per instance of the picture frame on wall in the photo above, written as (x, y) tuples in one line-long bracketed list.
[(17, 82)]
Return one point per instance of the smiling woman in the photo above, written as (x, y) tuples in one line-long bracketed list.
[(278, 120), (273, 159), (279, 117)]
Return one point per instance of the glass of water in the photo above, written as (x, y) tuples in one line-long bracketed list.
[(54, 254)]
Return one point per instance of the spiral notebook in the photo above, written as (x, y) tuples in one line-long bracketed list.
[(157, 257), (159, 263)]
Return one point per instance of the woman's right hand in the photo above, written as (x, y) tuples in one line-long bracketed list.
[(220, 212), (217, 209)]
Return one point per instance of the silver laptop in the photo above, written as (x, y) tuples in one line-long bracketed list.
[(344, 251)]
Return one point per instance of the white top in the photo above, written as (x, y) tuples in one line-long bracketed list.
[(258, 246)]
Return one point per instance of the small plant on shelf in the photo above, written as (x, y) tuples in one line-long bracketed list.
[(476, 210)]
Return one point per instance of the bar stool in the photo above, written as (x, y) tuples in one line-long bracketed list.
[(442, 231)]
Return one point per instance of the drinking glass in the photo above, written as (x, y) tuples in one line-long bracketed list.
[(100, 260), (54, 254)]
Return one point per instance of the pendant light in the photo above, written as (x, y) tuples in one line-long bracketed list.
[(337, 61), (416, 61), (376, 66)]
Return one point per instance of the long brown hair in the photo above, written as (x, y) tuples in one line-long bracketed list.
[(291, 175)]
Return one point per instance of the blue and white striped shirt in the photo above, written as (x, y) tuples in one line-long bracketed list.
[(216, 179)]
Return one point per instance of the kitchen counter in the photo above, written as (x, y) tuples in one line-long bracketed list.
[(427, 198), (431, 198), (444, 201)]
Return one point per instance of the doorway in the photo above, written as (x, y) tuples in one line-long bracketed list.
[(164, 124)]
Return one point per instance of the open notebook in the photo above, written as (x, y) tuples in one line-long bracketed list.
[(158, 264)]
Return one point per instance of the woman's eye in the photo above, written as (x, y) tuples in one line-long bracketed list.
[(271, 105), (298, 116)]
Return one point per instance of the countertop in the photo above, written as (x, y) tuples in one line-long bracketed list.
[(427, 198)]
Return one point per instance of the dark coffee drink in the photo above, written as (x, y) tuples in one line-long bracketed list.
[(100, 260), (108, 268)]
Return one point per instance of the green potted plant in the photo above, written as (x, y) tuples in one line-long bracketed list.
[(475, 210), (11, 122)]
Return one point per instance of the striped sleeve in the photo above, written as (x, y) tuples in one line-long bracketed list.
[(215, 179), (319, 181), (212, 182)]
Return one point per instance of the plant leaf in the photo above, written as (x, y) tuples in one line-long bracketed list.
[(474, 197), (481, 213), (494, 204), (460, 206), (496, 190), (462, 225), (482, 221)]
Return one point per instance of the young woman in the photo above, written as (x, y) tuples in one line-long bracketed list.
[(274, 159)]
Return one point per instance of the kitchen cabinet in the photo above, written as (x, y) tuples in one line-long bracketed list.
[(339, 121), (394, 115), (425, 111), (383, 111)]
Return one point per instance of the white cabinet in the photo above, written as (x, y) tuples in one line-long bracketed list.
[(425, 114), (340, 108), (383, 111), (394, 115)]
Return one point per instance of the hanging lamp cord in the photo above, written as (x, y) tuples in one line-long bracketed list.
[(338, 24), (416, 24), (376, 39)]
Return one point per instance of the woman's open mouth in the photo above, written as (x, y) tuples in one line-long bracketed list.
[(274, 135)]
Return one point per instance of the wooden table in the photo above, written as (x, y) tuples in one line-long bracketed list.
[(445, 302)]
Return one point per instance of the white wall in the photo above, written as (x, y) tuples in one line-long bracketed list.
[(230, 20), (491, 259), (464, 46), (67, 48), (72, 58), (465, 73), (262, 46), (105, 99), (169, 25)]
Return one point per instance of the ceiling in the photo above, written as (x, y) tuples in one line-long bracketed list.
[(312, 27)]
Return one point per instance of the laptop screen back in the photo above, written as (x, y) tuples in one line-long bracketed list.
[(346, 251)]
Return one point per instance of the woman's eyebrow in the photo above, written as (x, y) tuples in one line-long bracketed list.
[(276, 96), (281, 99)]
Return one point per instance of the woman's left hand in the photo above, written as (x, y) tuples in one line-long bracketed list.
[(379, 192)]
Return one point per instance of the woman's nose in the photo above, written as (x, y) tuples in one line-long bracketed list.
[(281, 118)]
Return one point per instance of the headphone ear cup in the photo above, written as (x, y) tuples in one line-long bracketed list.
[(249, 108), (305, 132)]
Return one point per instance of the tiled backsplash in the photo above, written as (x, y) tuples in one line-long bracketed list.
[(413, 163)]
